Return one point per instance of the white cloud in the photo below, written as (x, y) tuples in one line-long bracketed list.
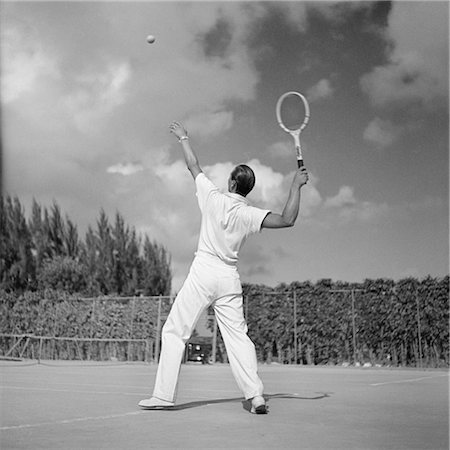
[(23, 63), (269, 188), (345, 197), (97, 94), (174, 177), (208, 124), (125, 168), (320, 90), (381, 133), (219, 173), (417, 69), (350, 209)]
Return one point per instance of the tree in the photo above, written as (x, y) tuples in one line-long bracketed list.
[(134, 263), (70, 240), (56, 231), (62, 273), (157, 276), (120, 236), (112, 258), (104, 262), (89, 253), (39, 229), (17, 266)]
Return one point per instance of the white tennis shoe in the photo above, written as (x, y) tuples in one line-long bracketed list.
[(259, 405), (155, 403)]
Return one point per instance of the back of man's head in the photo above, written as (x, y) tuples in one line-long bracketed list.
[(245, 179)]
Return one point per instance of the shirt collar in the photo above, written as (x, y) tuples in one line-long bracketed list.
[(238, 197)]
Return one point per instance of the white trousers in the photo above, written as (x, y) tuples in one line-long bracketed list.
[(208, 283)]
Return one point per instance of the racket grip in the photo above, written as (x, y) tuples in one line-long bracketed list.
[(300, 163)]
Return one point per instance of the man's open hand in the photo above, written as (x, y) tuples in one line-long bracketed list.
[(177, 129)]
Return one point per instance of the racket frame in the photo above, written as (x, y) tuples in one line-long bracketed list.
[(295, 133)]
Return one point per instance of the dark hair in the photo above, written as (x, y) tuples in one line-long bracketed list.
[(245, 179)]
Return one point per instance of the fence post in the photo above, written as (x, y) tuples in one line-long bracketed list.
[(419, 333), (92, 328), (158, 331), (214, 343), (295, 328), (353, 326), (130, 330), (40, 349), (352, 291)]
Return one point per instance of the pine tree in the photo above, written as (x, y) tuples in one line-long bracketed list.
[(105, 266), (17, 268), (56, 231), (120, 236), (70, 239), (39, 229), (89, 256), (157, 274), (134, 264)]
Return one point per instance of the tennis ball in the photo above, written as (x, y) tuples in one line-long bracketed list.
[(150, 39)]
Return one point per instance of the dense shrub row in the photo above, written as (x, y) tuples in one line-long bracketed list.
[(401, 323), (89, 320)]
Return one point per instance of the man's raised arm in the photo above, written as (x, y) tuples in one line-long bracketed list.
[(291, 209), (189, 155)]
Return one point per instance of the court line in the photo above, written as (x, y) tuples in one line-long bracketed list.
[(74, 391), (69, 421), (110, 385), (410, 380), (82, 391)]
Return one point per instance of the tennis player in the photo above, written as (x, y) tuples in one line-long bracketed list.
[(227, 220)]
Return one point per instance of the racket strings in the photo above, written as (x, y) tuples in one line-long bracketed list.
[(292, 112)]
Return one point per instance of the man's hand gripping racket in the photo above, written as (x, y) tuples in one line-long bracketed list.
[(301, 118)]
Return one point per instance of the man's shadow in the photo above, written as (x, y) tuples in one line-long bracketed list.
[(246, 404)]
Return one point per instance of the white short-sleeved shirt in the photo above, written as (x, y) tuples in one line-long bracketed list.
[(227, 220)]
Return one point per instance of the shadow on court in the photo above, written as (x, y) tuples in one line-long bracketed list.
[(246, 404)]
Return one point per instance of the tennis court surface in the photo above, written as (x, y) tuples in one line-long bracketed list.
[(81, 405)]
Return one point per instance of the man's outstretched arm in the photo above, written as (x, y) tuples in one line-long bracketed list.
[(189, 155), (290, 212)]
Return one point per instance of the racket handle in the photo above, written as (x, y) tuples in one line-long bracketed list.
[(300, 163)]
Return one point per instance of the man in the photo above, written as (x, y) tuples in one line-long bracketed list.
[(227, 220)]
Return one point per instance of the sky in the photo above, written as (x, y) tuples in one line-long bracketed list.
[(86, 103)]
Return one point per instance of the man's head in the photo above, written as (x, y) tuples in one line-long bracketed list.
[(242, 180)]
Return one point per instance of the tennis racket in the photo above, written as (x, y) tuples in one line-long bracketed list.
[(300, 106)]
